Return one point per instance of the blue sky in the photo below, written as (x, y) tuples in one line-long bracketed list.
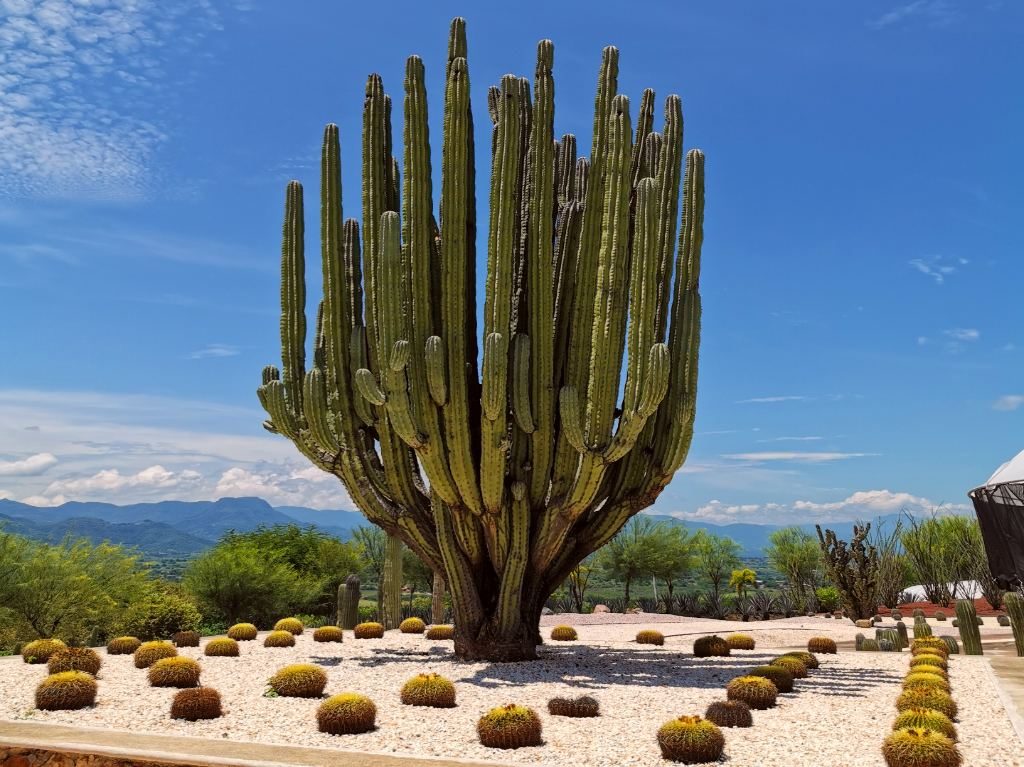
[(862, 264)]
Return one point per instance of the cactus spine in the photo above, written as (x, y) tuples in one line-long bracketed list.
[(391, 584), (1015, 610), (493, 471), (968, 626), (348, 603)]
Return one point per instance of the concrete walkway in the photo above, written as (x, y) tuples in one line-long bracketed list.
[(1008, 670)]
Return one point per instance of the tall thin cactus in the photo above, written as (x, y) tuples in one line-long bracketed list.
[(391, 584), (348, 602), (502, 467), (1015, 610), (967, 620)]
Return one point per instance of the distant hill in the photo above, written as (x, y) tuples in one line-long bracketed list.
[(154, 539)]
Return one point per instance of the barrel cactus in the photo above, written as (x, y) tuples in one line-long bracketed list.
[(929, 660), (412, 626), (431, 690), (440, 632), (710, 646), (68, 690), (509, 726), (1003, 620), (933, 645), (757, 692), (902, 636), (563, 634), (793, 665), (649, 636), (347, 713), (292, 625), (940, 616), (729, 713), (580, 707), (916, 746), (123, 645), (823, 645), (185, 639), (149, 653), (195, 704), (74, 659), (740, 641), (300, 680), (927, 718), (279, 639), (174, 672), (921, 680), (780, 677), (328, 634), (369, 630), (952, 647), (927, 697), (221, 647), (243, 632), (809, 659), (870, 645), (40, 650), (691, 740)]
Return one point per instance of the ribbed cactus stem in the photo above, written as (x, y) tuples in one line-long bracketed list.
[(348, 602), (970, 635), (1015, 610), (903, 637), (391, 584), (437, 592)]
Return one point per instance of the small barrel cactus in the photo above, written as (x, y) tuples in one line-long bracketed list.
[(809, 659), (440, 632), (650, 636), (777, 675), (934, 645), (890, 636), (291, 625), (123, 646), (952, 646), (431, 690), (509, 726), (822, 645), (328, 634), (243, 632), (149, 653), (756, 691), (922, 629), (174, 672), (929, 660), (710, 646), (221, 647), (729, 713), (870, 645), (793, 665), (583, 706), (40, 650), (876, 618), (939, 615), (917, 612), (185, 639), (412, 626), (858, 641), (915, 746), (927, 697), (66, 691), (740, 641), (74, 659), (563, 634), (300, 680), (691, 740), (279, 639), (927, 718), (195, 704), (346, 714), (921, 680), (369, 630)]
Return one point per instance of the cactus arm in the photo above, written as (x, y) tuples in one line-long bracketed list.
[(516, 559), (293, 300), (640, 160), (566, 243), (434, 359), (376, 170), (521, 384)]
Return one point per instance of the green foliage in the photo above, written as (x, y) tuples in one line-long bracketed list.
[(797, 556), (709, 646), (40, 650), (195, 704), (581, 707), (369, 630), (243, 632), (563, 634), (729, 713), (74, 659), (1015, 612), (757, 692), (853, 568), (509, 726), (691, 740), (66, 691), (915, 746), (650, 636), (300, 680), (161, 616), (149, 653), (123, 645), (440, 632), (824, 645), (925, 718), (347, 713), (793, 665), (642, 549), (740, 579), (291, 625), (412, 626), (185, 639), (716, 558), (740, 642), (969, 634), (829, 598), (279, 639), (328, 634), (174, 672), (777, 675), (221, 647), (927, 697), (428, 690)]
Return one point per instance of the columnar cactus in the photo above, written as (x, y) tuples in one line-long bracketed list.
[(505, 469), (1015, 610), (348, 603), (391, 584), (968, 626)]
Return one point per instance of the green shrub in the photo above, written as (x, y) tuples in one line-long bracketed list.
[(691, 740), (563, 634), (822, 645), (927, 697), (777, 675), (369, 630), (161, 616), (757, 692), (186, 639), (174, 672), (729, 713), (221, 647), (346, 714), (740, 642), (328, 634), (66, 691), (123, 645), (149, 653), (828, 598), (300, 680), (279, 639), (195, 704), (650, 636), (583, 706), (928, 718), (710, 646), (914, 747), (75, 659), (40, 650), (809, 659), (440, 632), (243, 632), (794, 666), (509, 726), (412, 626), (430, 690), (291, 625)]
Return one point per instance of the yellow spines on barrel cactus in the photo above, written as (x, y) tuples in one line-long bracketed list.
[(300, 680), (916, 746), (291, 625), (757, 692), (708, 646), (825, 645), (428, 690), (243, 632), (918, 678), (563, 634), (369, 630), (223, 647), (67, 690), (792, 664), (740, 641), (926, 718), (412, 626), (174, 672), (196, 703), (74, 659), (328, 634), (123, 645), (934, 660), (279, 639), (691, 740), (509, 726), (440, 632), (40, 650), (809, 659), (347, 713), (777, 675), (927, 697), (149, 653), (650, 636)]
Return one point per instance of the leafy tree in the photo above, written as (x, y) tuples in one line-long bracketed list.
[(676, 556), (636, 552), (716, 558), (797, 556), (740, 579), (893, 567), (577, 582), (373, 544), (416, 573)]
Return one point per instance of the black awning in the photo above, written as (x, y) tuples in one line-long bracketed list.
[(1000, 510)]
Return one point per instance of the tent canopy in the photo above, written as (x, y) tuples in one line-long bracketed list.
[(1011, 471)]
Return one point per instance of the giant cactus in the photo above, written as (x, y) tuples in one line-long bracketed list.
[(503, 470)]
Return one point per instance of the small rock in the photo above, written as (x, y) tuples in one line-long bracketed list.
[(601, 609), (546, 611)]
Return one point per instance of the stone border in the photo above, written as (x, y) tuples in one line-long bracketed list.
[(1012, 713)]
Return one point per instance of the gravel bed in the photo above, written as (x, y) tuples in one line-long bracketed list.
[(838, 717)]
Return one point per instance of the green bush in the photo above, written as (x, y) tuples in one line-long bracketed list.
[(174, 672), (509, 726), (160, 617), (74, 659), (691, 740), (195, 704), (428, 690), (346, 714), (300, 680), (68, 690), (829, 598)]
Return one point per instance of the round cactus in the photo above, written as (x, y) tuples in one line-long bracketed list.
[(279, 639), (780, 677), (940, 616), (369, 631), (917, 746), (123, 646), (794, 666), (412, 626), (429, 690), (291, 625), (300, 680), (243, 632), (195, 704), (921, 680), (649, 636), (824, 645), (809, 659), (66, 691), (952, 647), (927, 697), (917, 612), (440, 632), (74, 659), (870, 645), (691, 740), (708, 646), (756, 691), (185, 639), (346, 714), (174, 672), (221, 647), (929, 644), (729, 713), (40, 650), (563, 634), (328, 634), (740, 641), (583, 706), (509, 726), (927, 718), (930, 660), (149, 653)]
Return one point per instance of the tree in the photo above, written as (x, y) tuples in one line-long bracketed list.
[(504, 469), (797, 556), (716, 558), (578, 581), (636, 552), (676, 558), (740, 579), (417, 574), (373, 545), (893, 566), (853, 568)]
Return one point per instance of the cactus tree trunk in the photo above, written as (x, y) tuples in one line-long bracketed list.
[(391, 584), (437, 598), (502, 467)]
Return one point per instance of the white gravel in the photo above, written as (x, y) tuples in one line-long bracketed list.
[(838, 717)]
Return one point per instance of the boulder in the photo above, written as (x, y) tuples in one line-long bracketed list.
[(546, 611), (601, 609)]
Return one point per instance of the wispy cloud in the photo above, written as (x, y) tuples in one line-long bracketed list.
[(937, 267), (28, 467), (1009, 402), (792, 439), (963, 334), (215, 350), (795, 457), (936, 13), (782, 398)]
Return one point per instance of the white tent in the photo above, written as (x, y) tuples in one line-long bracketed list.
[(1011, 471)]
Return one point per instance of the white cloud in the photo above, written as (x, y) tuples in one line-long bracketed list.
[(215, 351), (783, 398), (936, 13), (28, 467), (1009, 402), (285, 488), (795, 456), (935, 267), (792, 439), (111, 480), (963, 334)]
